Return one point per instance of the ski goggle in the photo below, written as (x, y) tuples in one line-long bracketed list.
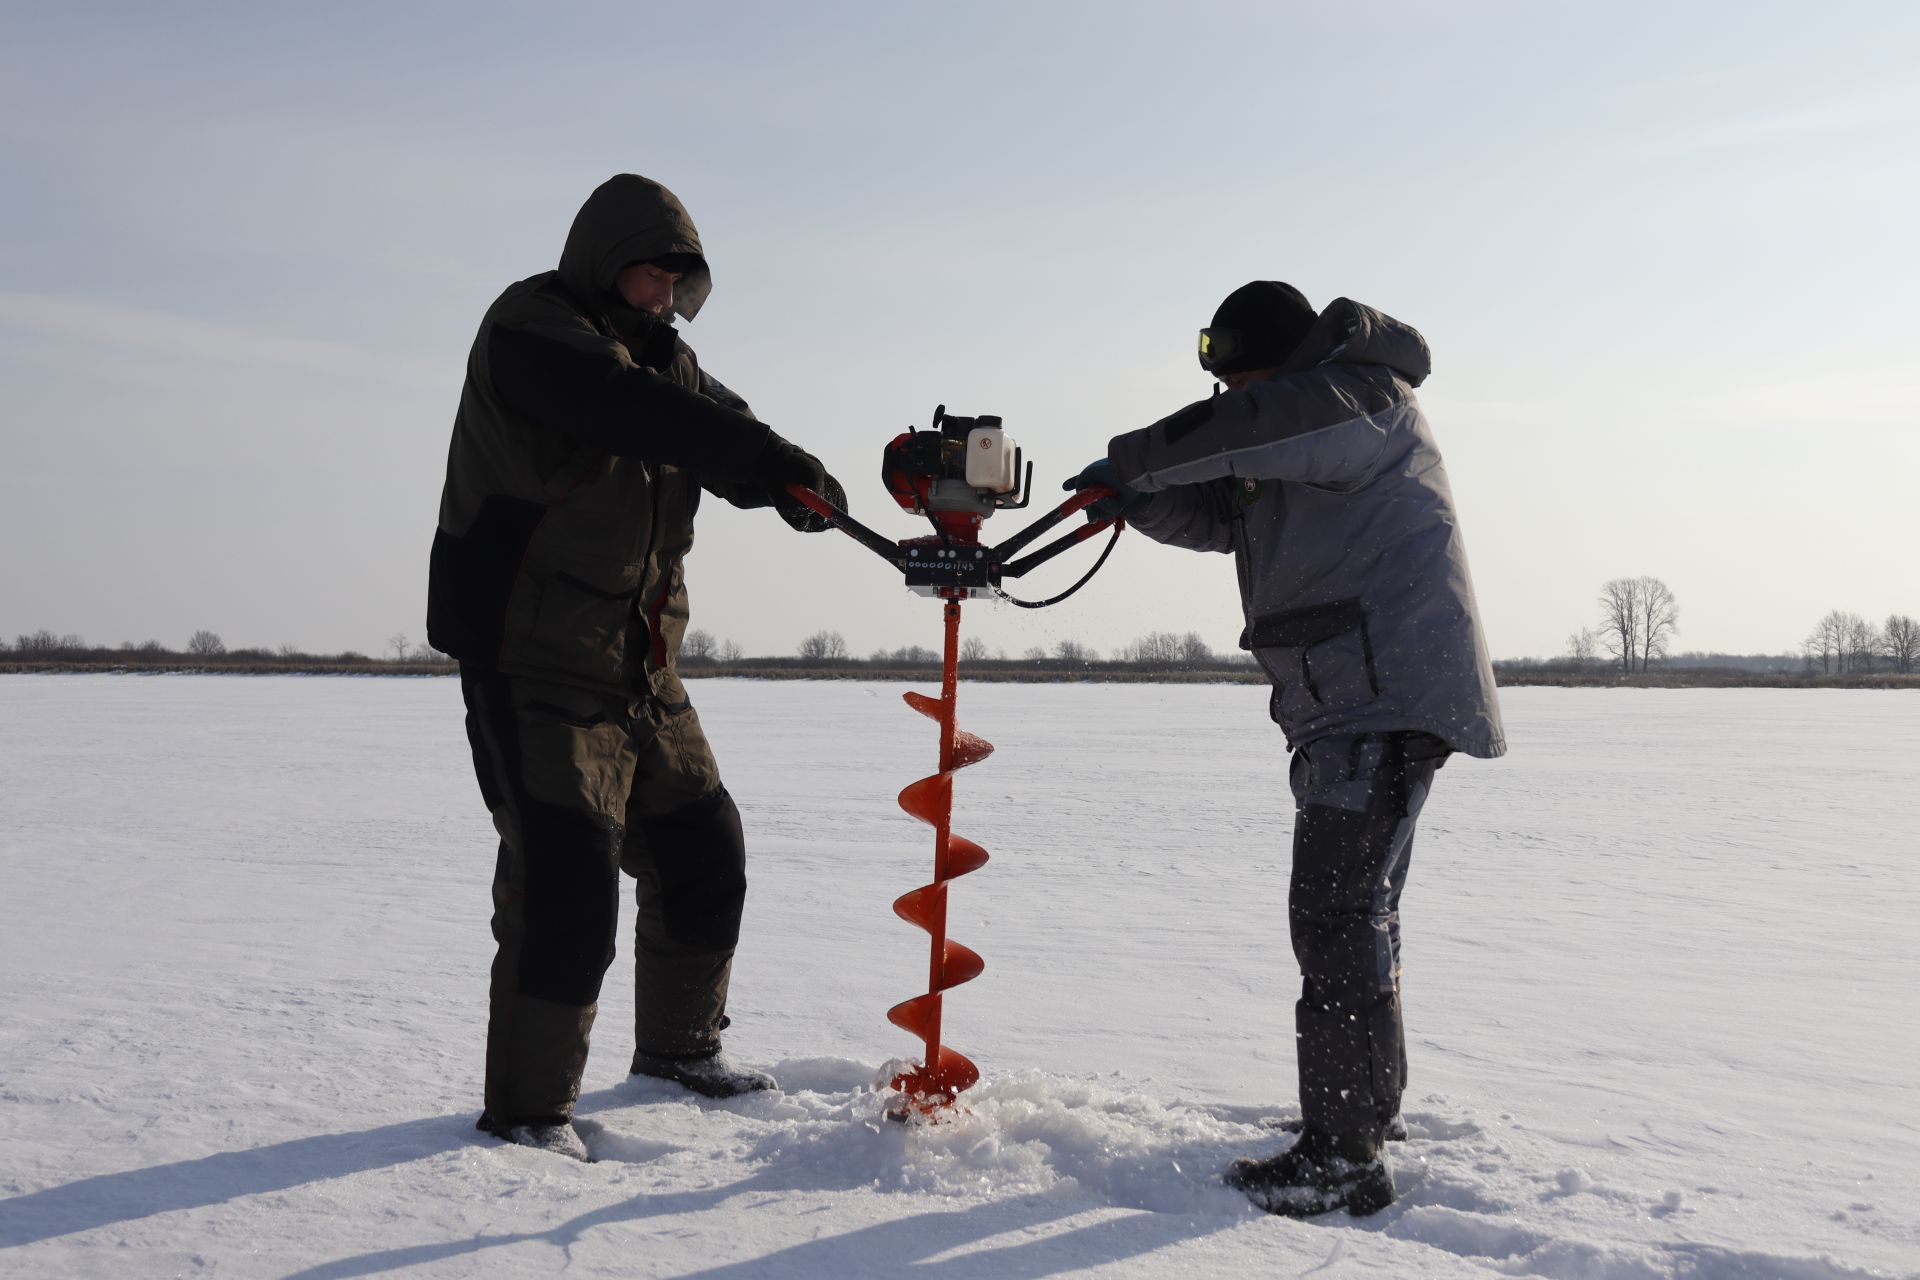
[(1220, 346)]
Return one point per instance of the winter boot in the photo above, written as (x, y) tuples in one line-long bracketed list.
[(711, 1074), (1321, 1172), (1394, 1130), (561, 1139)]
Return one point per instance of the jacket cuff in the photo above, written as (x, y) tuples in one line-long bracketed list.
[(1128, 455)]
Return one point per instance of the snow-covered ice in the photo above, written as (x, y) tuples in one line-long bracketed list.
[(1662, 966)]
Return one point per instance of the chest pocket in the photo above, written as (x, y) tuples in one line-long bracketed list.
[(580, 627), (1322, 655)]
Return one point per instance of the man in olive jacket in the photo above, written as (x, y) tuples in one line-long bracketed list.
[(585, 434), (1316, 470)]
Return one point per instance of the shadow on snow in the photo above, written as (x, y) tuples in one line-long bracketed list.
[(109, 1198)]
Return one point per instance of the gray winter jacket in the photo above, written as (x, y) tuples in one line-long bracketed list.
[(1326, 485)]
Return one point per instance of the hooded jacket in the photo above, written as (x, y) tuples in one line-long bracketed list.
[(1325, 484), (585, 432)]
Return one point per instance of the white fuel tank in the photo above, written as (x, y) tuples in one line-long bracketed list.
[(990, 460)]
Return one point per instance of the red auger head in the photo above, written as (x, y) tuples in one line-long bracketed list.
[(930, 1090), (917, 472)]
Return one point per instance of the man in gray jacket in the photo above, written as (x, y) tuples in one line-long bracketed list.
[(1316, 469)]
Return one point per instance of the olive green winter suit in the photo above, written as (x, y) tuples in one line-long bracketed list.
[(585, 433)]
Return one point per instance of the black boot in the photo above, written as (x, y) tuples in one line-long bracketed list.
[(558, 1137), (711, 1074), (1319, 1173)]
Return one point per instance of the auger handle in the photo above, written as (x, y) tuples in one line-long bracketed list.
[(885, 548), (891, 551), (1014, 568), (1078, 502)]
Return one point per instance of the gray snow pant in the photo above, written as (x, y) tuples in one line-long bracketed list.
[(1356, 799)]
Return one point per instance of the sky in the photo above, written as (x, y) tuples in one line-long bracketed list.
[(1663, 255)]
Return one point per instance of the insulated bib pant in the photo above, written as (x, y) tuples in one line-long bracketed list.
[(582, 785)]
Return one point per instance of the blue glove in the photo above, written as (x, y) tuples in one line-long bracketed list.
[(1124, 501)]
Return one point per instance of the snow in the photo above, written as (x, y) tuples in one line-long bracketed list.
[(1661, 964)]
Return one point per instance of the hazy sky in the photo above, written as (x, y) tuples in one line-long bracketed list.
[(1664, 256)]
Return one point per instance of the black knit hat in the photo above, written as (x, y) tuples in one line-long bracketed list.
[(1257, 327)]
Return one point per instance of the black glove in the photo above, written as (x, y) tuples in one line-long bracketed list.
[(805, 518), (1124, 501), (782, 462)]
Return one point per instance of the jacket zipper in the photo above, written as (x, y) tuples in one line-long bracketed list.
[(656, 642)]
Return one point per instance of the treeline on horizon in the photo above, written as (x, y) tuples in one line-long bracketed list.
[(1159, 656), (1638, 623)]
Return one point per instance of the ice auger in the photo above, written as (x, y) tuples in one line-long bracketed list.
[(957, 473)]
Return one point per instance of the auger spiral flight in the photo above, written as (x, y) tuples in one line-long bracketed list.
[(956, 474)]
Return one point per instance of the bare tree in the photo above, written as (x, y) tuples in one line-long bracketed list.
[(206, 644), (1841, 641), (823, 646), (1620, 620), (44, 641), (1900, 643), (1638, 620), (973, 649), (905, 654), (730, 651), (1155, 649), (1193, 648), (1846, 631), (698, 645), (1035, 654), (1583, 649), (1864, 643), (1659, 620), (397, 642), (1073, 651), (1826, 643)]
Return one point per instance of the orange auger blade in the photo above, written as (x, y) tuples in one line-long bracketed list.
[(963, 855), (959, 964), (915, 1015), (930, 799), (922, 906), (967, 748), (944, 1073)]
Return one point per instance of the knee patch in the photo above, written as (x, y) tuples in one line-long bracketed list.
[(569, 902), (699, 854)]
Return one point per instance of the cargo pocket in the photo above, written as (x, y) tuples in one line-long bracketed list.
[(576, 749), (1321, 657), (668, 692), (580, 628)]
